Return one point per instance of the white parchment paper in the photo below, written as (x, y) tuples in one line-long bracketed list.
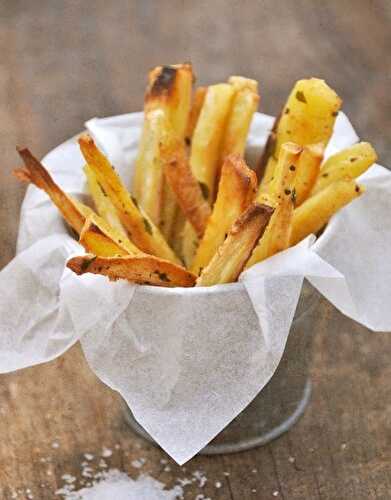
[(186, 361)]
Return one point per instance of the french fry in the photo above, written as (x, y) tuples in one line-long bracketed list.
[(307, 171), (205, 151), (141, 229), (102, 202), (347, 164), (198, 101), (230, 258), (244, 105), (184, 185), (277, 234), (237, 189), (316, 211), (307, 118), (142, 269)]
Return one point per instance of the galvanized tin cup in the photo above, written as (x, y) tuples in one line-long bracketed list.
[(280, 403)]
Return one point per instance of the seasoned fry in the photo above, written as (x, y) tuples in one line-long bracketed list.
[(198, 101), (307, 171), (37, 174), (244, 105), (143, 269), (205, 151), (102, 202), (237, 189), (141, 229), (348, 164), (277, 234), (185, 186), (316, 211), (230, 258), (307, 118)]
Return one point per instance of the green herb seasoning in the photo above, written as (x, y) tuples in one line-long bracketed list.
[(301, 97)]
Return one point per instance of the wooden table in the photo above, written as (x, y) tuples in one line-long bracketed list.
[(64, 62)]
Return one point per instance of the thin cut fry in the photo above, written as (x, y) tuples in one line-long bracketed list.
[(185, 186), (277, 235), (143, 269), (198, 101), (244, 105), (102, 202), (141, 229), (230, 258), (237, 188), (316, 211), (348, 164), (307, 171), (307, 118)]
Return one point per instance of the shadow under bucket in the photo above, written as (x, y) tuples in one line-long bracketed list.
[(280, 403)]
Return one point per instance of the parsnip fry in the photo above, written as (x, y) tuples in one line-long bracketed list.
[(230, 258), (316, 211), (307, 118), (198, 101), (277, 235), (141, 229), (237, 188), (102, 202), (244, 105), (185, 186), (307, 171), (144, 269), (347, 164)]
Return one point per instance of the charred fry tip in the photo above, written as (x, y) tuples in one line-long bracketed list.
[(253, 211), (163, 83)]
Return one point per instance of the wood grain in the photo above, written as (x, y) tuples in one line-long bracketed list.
[(64, 62)]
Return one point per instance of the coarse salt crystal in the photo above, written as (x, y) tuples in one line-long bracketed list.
[(106, 452), (276, 493), (55, 444), (218, 484)]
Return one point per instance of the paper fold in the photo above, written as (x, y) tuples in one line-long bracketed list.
[(186, 361)]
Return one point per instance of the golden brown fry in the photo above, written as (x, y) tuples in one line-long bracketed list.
[(143, 269), (237, 188), (277, 235), (185, 186), (244, 105), (316, 211), (198, 101), (230, 258), (347, 164), (141, 229), (102, 202), (307, 118), (307, 171), (37, 174)]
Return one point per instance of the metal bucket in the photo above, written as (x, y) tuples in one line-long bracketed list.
[(280, 403)]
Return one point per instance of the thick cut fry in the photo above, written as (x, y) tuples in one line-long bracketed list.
[(198, 101), (277, 235), (316, 211), (102, 202), (244, 105), (37, 174), (185, 186), (141, 229), (348, 164), (237, 189), (143, 269), (230, 258), (307, 171), (307, 118)]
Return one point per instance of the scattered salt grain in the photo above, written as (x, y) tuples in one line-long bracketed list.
[(116, 484), (68, 478), (102, 464), (276, 493), (137, 464), (167, 468), (88, 456), (254, 471), (106, 452), (291, 460), (200, 477), (55, 444), (163, 461), (343, 446), (117, 446), (218, 484), (226, 474)]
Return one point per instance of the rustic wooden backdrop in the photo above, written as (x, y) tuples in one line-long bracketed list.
[(63, 62)]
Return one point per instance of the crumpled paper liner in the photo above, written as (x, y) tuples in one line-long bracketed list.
[(186, 361)]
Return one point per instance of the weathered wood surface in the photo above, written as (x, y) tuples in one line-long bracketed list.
[(64, 62)]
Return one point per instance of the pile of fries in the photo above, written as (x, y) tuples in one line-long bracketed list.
[(197, 215)]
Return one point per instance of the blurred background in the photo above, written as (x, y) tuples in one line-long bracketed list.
[(63, 62), (66, 61)]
